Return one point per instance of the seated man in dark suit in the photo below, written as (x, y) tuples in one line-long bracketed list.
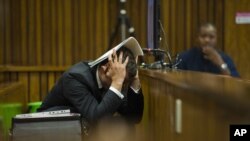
[(206, 57), (98, 90)]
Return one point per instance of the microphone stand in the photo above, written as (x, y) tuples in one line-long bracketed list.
[(159, 57), (123, 23), (160, 54), (168, 53)]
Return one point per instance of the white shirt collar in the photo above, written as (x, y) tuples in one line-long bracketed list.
[(98, 79)]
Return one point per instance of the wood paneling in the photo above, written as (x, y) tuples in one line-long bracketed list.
[(1, 34), (34, 87), (52, 32), (181, 20), (37, 80), (237, 39), (61, 32), (24, 44)]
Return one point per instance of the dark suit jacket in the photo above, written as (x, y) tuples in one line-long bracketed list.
[(78, 88)]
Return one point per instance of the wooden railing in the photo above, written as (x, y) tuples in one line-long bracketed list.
[(12, 102), (37, 80), (13, 92)]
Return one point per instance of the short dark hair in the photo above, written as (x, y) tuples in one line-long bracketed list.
[(205, 25), (131, 67)]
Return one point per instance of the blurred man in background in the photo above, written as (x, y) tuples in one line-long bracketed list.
[(205, 57)]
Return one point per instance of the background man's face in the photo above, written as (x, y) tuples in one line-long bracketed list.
[(207, 37)]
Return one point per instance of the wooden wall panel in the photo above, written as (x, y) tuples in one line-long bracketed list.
[(137, 14), (237, 39), (43, 85), (188, 24), (98, 31), (52, 32), (181, 20), (51, 80), (59, 28), (13, 77), (218, 20), (1, 35), (34, 87), (23, 77), (15, 31), (24, 44), (46, 36), (75, 30), (31, 34), (7, 33), (1, 77), (38, 39), (68, 31)]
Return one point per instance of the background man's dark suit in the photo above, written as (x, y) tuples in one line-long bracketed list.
[(78, 90)]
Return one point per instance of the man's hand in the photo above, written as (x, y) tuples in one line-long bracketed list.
[(117, 70), (136, 85), (211, 54)]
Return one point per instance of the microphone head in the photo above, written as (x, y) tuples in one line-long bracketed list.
[(149, 50)]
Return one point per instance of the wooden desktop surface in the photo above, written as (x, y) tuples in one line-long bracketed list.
[(186, 105)]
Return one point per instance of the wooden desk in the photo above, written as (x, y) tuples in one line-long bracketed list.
[(192, 106)]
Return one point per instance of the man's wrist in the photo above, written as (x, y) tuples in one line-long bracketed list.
[(117, 92), (136, 85), (117, 85)]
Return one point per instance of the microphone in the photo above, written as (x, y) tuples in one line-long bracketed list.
[(149, 50), (159, 58)]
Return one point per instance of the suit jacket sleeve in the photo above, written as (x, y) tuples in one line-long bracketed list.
[(81, 97), (132, 106)]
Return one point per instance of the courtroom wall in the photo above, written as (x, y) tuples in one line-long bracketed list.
[(62, 32)]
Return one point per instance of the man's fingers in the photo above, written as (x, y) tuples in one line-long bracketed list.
[(110, 58), (126, 61), (108, 73), (114, 55), (120, 57)]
